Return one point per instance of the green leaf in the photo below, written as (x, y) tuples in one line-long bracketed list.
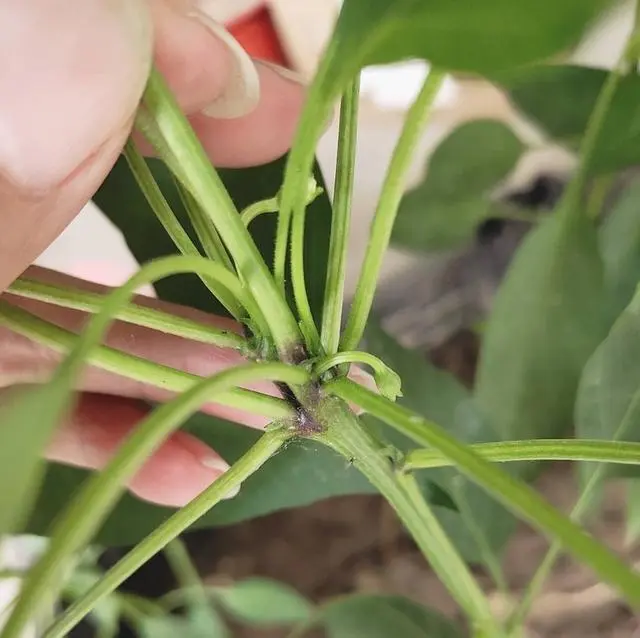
[(453, 199), (547, 319), (27, 421), (439, 397), (201, 622), (608, 402), (470, 36), (619, 239), (383, 616), (262, 602), (561, 98), (633, 512)]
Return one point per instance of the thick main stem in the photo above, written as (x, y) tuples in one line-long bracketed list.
[(516, 495), (345, 435)]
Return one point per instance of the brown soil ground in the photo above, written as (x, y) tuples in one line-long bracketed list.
[(356, 544)]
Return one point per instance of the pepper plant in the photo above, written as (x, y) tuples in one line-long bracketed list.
[(266, 247)]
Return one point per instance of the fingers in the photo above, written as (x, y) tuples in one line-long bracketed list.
[(70, 89), (23, 361), (71, 77), (177, 472)]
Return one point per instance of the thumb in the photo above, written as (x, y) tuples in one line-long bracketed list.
[(71, 77)]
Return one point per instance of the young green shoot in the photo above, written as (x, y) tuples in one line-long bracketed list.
[(341, 219), (387, 209)]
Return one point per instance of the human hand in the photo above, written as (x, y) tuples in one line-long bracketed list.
[(71, 78)]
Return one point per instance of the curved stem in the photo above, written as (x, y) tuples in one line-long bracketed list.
[(257, 209), (85, 514), (534, 450), (341, 219), (268, 445), (514, 494), (387, 209), (77, 299), (169, 221), (387, 380)]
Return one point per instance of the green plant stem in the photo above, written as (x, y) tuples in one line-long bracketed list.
[(598, 195), (207, 234), (534, 450), (382, 225), (341, 219), (487, 555), (132, 367), (204, 183), (259, 208), (251, 462), (579, 511), (169, 221), (514, 494), (345, 435), (77, 299), (387, 380), (82, 518), (572, 198), (313, 119), (298, 280), (186, 573)]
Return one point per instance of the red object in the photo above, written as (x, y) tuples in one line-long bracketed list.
[(257, 34)]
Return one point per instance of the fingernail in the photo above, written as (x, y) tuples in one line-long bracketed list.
[(283, 72), (217, 464), (83, 67), (242, 92)]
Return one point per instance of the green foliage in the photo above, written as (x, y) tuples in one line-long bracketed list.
[(271, 489), (470, 36), (561, 98), (200, 622), (608, 402), (439, 397), (264, 603), (547, 319), (619, 239), (453, 199), (383, 616)]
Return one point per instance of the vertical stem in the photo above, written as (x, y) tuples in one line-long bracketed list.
[(343, 193), (316, 110), (571, 200), (392, 191), (298, 279)]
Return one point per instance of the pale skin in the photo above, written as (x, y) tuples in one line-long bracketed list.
[(75, 74)]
